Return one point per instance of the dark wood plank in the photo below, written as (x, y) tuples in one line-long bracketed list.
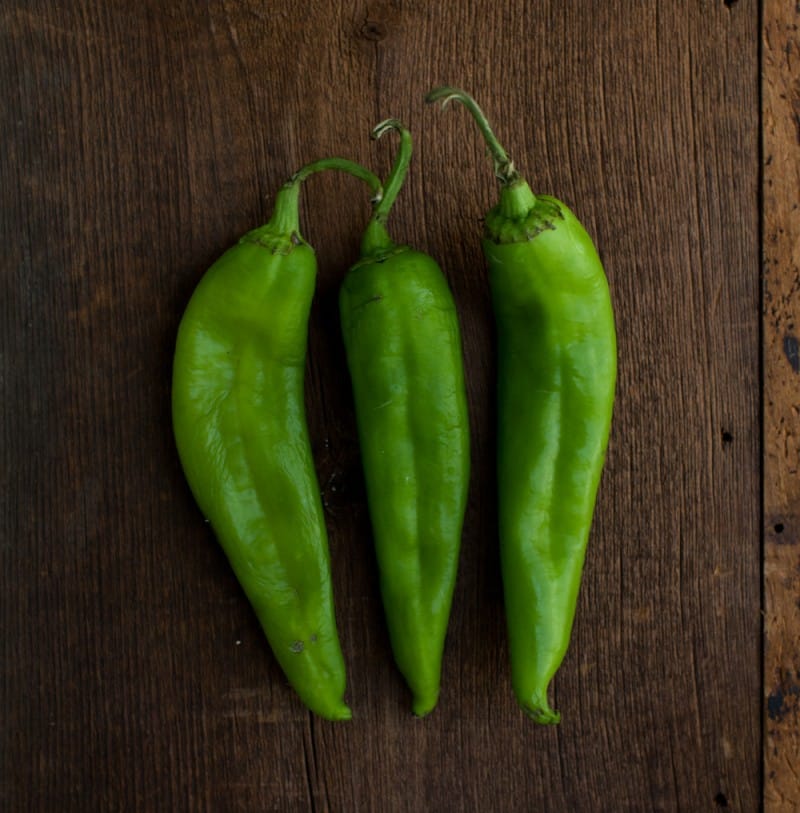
[(781, 258), (142, 139)]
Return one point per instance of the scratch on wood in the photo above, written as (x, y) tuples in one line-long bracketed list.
[(791, 350)]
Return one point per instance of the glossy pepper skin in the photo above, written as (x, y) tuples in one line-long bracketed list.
[(240, 428), (556, 355), (403, 346)]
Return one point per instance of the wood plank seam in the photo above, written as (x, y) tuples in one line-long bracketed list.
[(781, 405)]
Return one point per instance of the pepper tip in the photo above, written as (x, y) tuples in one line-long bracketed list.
[(342, 713), (540, 712), (424, 704)]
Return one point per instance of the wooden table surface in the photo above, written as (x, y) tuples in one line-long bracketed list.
[(139, 140)]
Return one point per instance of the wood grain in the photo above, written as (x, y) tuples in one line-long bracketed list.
[(781, 264), (140, 141)]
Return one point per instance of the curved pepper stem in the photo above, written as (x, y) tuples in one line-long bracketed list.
[(284, 225), (503, 166), (399, 171), (341, 165), (376, 238), (516, 198)]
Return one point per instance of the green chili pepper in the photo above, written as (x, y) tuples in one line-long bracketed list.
[(240, 427), (556, 380), (403, 347)]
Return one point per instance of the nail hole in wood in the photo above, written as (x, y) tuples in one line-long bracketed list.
[(721, 800), (374, 30)]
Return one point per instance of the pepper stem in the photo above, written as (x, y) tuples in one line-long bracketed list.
[(399, 170), (504, 168), (376, 238), (341, 165), (285, 220)]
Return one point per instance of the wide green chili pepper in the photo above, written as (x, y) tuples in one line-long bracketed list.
[(240, 427), (556, 378), (403, 347)]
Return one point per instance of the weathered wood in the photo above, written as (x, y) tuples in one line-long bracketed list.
[(781, 269), (140, 139)]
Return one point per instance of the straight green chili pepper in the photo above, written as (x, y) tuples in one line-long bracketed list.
[(556, 380), (240, 428), (403, 347)]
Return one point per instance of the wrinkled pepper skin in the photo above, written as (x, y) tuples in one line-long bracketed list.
[(240, 427), (403, 346), (556, 357)]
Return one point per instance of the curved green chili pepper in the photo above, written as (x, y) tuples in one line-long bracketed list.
[(403, 348), (240, 427), (556, 380)]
